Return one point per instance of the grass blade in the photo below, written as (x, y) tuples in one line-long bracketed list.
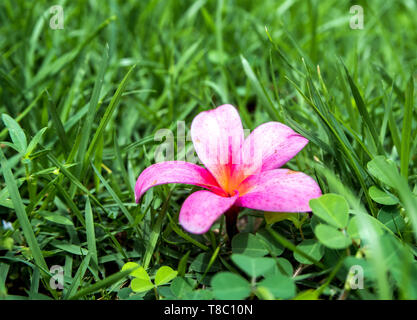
[(363, 111), (105, 283), (92, 107), (114, 196), (21, 215), (91, 237), (406, 130), (107, 115)]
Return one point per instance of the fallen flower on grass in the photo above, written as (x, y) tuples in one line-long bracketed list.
[(239, 172)]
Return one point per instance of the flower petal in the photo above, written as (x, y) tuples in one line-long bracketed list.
[(217, 137), (270, 146), (201, 209), (279, 190), (174, 172)]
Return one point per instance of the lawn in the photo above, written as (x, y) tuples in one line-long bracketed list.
[(94, 92)]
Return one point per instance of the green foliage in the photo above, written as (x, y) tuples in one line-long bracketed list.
[(253, 266), (382, 197), (230, 286), (164, 275), (80, 107), (331, 237), (16, 133), (248, 244), (279, 286), (310, 247), (332, 209), (142, 282)]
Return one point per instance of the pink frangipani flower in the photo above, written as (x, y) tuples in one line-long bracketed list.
[(239, 172)]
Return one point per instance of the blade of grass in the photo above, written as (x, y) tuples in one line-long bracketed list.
[(52, 68), (92, 107), (107, 115), (114, 196), (260, 90), (184, 235), (59, 127), (76, 281), (74, 180), (105, 283), (289, 245), (407, 126), (91, 237), (119, 159), (24, 113), (363, 111), (155, 232), (21, 215)]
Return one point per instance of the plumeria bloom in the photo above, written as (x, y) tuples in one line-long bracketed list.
[(238, 172)]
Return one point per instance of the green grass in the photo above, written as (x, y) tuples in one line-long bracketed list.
[(80, 107)]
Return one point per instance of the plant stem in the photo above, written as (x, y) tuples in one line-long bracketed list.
[(231, 220)]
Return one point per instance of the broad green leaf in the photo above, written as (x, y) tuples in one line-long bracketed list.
[(180, 286), (282, 266), (354, 262), (272, 245), (331, 237), (353, 229), (201, 263), (164, 275), (379, 172), (165, 293), (139, 272), (230, 286), (124, 293), (310, 247), (392, 219), (199, 295), (141, 285), (331, 208), (408, 199), (130, 265), (382, 197), (253, 266), (248, 244), (296, 250), (137, 296), (263, 293), (280, 286)]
